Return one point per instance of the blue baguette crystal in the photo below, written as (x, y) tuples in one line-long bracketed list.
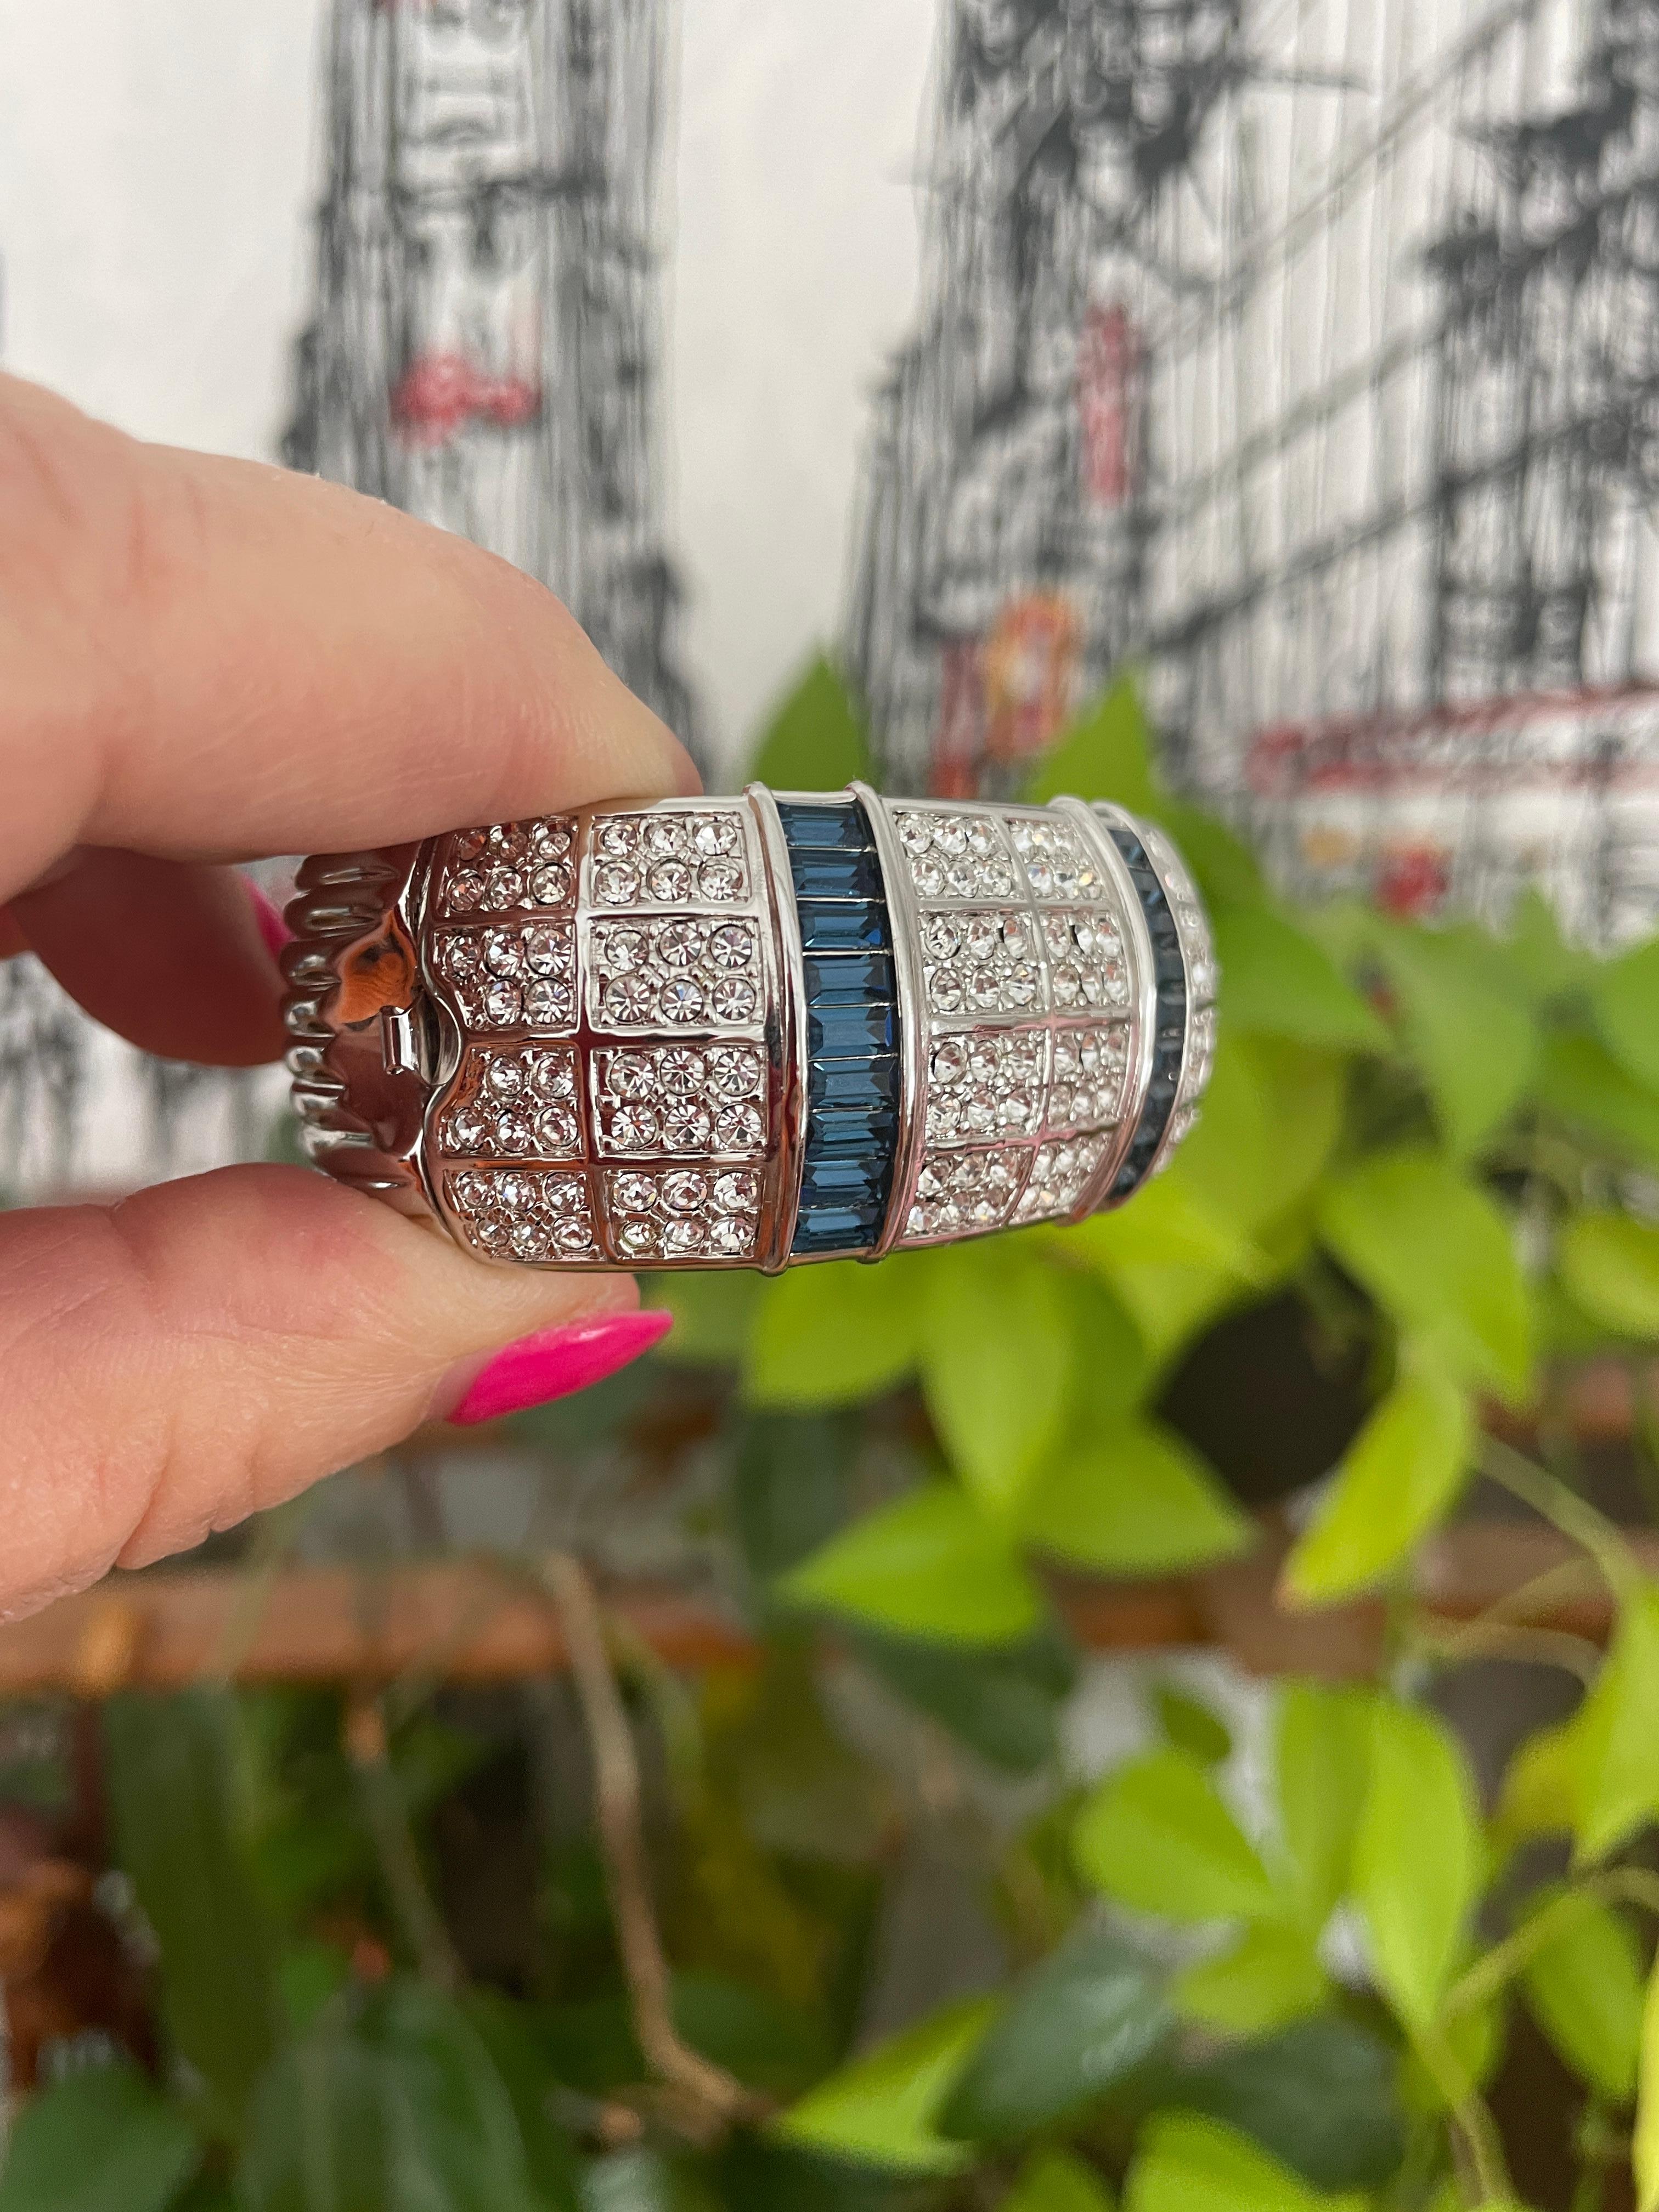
[(839, 825), (843, 929), (838, 1228), (837, 1180), (869, 1134), (851, 1032), (844, 979), (1169, 971), (855, 1085), (835, 875)]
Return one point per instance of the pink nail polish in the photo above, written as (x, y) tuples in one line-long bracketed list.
[(268, 917), (558, 1362)]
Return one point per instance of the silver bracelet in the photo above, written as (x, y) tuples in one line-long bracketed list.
[(744, 1032)]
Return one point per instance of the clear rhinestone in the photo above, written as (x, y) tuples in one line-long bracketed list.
[(1012, 1110), (467, 1130), (984, 989), (556, 1130), (679, 943), (915, 833), (1116, 981), (721, 879), (733, 999), (984, 937), (544, 950), (624, 951), (681, 999), (616, 838), (930, 1183), (916, 1224), (942, 935), (962, 877), (550, 885), (503, 952), (982, 837), (664, 837), (628, 999), (945, 987), (574, 1237), (731, 945), (531, 1240), (950, 836), (684, 1191), (503, 1003), (550, 841), (636, 1238), (930, 877), (731, 1240), (686, 1127), (634, 1128), (950, 1060), (634, 1193), (684, 1072), (1066, 985), (503, 887), (669, 882), (494, 1232), (632, 1076), (735, 1071), (552, 1075), (997, 879), (466, 890), (469, 843), (984, 1058), (737, 1192), (548, 1002), (616, 882), (716, 834), (507, 840), (738, 1130), (1021, 984), (463, 955), (683, 1239), (471, 1191), (504, 1076), (981, 1113), (513, 1133)]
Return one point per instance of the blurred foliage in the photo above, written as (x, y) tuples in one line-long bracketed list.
[(1238, 1973)]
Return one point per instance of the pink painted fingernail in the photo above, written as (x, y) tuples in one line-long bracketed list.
[(268, 916), (555, 1362)]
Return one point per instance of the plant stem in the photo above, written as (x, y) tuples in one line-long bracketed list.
[(1620, 1885), (1474, 2123), (1559, 1505), (419, 1918)]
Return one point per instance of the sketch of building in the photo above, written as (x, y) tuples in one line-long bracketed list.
[(484, 346), (1386, 539)]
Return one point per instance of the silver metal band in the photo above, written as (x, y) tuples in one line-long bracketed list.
[(742, 1032)]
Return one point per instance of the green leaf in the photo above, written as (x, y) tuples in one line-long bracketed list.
[(1135, 1500), (1226, 871), (882, 2109), (1082, 2019), (1323, 1772), (1434, 1252), (1624, 1003), (505, 2031), (99, 2140), (1170, 1257), (1644, 2147), (1272, 1976), (996, 1365), (1003, 1703), (816, 739), (1322, 2095), (1276, 978), (1417, 1858), (1055, 2181), (792, 1478), (168, 1764), (1537, 947), (929, 1564), (832, 1335), (715, 1313), (396, 2108), (1469, 1029), (1192, 1726), (1610, 1264), (1617, 1735), (1585, 1990), (1106, 754), (1191, 2165), (1400, 1475), (1156, 1836), (1272, 1118), (1581, 1082)]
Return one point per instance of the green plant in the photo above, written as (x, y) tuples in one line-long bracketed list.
[(1233, 1981)]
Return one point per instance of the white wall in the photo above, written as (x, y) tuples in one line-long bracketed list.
[(156, 174)]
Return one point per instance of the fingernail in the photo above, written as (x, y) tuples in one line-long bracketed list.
[(268, 916), (555, 1362)]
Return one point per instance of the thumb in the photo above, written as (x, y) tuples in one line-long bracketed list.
[(206, 1349)]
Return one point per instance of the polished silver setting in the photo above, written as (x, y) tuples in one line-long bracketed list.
[(583, 1040)]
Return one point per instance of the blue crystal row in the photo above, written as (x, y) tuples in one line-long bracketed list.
[(1170, 1036), (852, 1026)]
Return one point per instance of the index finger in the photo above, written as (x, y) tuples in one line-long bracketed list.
[(210, 659)]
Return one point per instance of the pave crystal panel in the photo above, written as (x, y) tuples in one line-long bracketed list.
[(957, 1191), (513, 975), (510, 864), (683, 1213), (956, 856), (539, 1215), (985, 1084), (697, 971), (670, 857), (1060, 1173), (1055, 863), (514, 1103), (1089, 1061), (692, 1101), (985, 962)]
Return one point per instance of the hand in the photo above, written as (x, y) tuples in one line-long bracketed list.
[(202, 661)]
